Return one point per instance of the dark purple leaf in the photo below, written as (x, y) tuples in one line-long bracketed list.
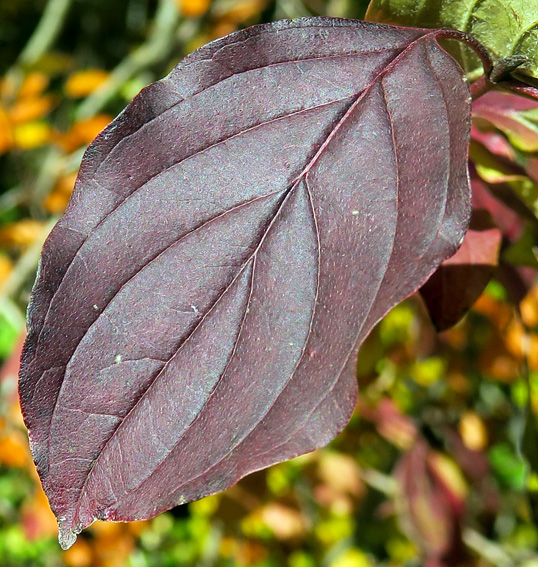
[(518, 280), (233, 236), (459, 281)]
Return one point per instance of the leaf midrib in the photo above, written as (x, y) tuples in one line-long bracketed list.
[(353, 54), (308, 167)]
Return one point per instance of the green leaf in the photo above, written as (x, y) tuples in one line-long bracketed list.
[(11, 326), (522, 252), (508, 28), (508, 468)]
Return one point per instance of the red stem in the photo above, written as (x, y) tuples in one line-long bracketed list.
[(473, 43), (480, 87)]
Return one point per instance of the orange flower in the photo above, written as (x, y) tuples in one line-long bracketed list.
[(14, 449), (34, 84), (57, 199), (82, 132), (31, 108), (83, 83), (193, 8), (80, 555), (6, 265), (6, 132), (20, 234)]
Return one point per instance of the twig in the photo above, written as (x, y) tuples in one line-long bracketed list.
[(12, 313), (45, 180), (40, 41), (46, 32), (159, 43), (381, 482), (11, 198), (487, 549)]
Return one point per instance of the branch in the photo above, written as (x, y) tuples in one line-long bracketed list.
[(488, 550), (46, 32)]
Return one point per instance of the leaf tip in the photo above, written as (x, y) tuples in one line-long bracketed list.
[(66, 534)]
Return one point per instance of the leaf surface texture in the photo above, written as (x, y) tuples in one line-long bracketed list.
[(233, 236)]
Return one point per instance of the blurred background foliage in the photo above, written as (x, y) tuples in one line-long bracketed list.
[(429, 471)]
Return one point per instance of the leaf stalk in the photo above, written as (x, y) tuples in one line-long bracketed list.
[(481, 86)]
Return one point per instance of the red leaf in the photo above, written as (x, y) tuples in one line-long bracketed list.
[(233, 236), (509, 213), (460, 280), (520, 88), (496, 143), (502, 212), (431, 504), (503, 102), (503, 111)]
